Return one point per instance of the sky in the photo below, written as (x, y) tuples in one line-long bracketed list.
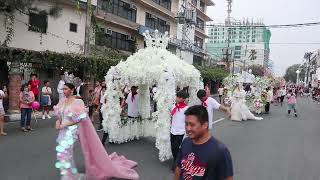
[(275, 12)]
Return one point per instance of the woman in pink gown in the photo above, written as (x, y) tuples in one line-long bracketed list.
[(74, 124)]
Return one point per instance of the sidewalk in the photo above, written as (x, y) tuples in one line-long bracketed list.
[(10, 118)]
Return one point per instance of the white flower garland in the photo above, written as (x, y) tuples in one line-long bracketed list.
[(145, 68)]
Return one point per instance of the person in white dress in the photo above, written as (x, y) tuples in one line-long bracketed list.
[(46, 99), (239, 109), (132, 101), (60, 87), (3, 94)]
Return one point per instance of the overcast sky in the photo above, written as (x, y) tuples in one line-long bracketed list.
[(279, 12)]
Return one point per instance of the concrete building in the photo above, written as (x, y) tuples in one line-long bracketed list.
[(192, 18), (121, 23), (248, 40), (64, 34)]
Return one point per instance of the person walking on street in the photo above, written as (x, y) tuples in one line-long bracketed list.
[(292, 102), (211, 105), (60, 87), (220, 92), (177, 130), (46, 99), (269, 100), (283, 93), (3, 94), (26, 99), (201, 156)]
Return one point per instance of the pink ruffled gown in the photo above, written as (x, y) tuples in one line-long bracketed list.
[(98, 164)]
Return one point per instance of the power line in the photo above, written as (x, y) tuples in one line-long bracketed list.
[(266, 26)]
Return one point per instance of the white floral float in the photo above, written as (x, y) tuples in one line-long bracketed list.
[(149, 66)]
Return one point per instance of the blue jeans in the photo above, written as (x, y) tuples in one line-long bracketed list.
[(25, 117)]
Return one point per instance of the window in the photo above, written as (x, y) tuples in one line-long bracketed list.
[(164, 3), (253, 40), (237, 52), (115, 40), (73, 27), (202, 6), (215, 41), (198, 42), (122, 9), (157, 23), (237, 48), (194, 2), (38, 23), (200, 23)]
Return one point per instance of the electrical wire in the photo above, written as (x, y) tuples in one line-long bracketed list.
[(267, 26)]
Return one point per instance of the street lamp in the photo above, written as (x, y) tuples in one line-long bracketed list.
[(298, 72)]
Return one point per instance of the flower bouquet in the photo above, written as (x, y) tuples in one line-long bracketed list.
[(258, 104)]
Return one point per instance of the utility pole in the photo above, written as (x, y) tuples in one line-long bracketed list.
[(87, 29), (186, 17), (228, 23)]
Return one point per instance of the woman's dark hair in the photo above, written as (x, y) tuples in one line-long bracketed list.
[(24, 86), (45, 82), (199, 111), (182, 94), (72, 87), (201, 93), (290, 91)]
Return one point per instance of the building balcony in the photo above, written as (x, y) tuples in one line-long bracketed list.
[(115, 20), (200, 32), (156, 7), (208, 2), (201, 14)]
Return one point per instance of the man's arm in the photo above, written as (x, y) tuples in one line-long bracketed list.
[(225, 110), (229, 178), (177, 173)]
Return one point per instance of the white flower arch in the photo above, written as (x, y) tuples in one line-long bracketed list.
[(149, 66)]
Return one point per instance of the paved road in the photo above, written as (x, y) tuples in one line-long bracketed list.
[(280, 147)]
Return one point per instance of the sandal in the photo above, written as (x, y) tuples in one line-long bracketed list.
[(24, 130), (3, 134), (30, 129)]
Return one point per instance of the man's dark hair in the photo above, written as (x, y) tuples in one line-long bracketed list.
[(182, 94), (199, 111), (33, 74), (201, 93)]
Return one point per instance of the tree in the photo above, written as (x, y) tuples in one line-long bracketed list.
[(291, 74), (257, 70), (8, 8), (212, 73)]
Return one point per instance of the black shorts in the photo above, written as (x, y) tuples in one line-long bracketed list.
[(281, 98)]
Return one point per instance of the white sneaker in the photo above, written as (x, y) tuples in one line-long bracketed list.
[(43, 117), (49, 117)]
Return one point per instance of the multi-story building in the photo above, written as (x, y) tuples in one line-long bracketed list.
[(121, 23), (41, 32), (249, 42), (191, 30)]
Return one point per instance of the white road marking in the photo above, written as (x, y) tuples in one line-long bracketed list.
[(219, 120)]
